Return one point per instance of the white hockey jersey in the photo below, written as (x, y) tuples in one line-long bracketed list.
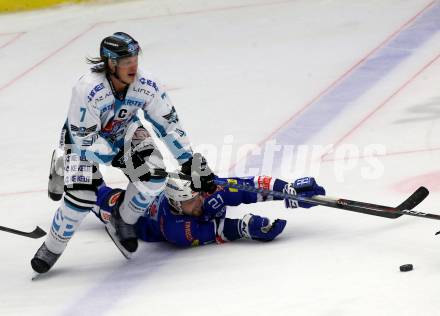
[(97, 121)]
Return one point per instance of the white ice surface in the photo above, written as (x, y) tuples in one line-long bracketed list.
[(240, 68)]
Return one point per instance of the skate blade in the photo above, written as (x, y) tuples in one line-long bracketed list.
[(112, 233)]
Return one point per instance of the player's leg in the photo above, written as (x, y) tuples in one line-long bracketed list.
[(142, 189), (82, 179), (108, 202)]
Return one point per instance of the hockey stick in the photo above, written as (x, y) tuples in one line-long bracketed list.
[(350, 205), (345, 204), (380, 210), (36, 233)]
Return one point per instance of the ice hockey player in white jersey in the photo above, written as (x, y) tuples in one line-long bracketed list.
[(102, 127)]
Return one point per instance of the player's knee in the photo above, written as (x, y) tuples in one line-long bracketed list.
[(81, 174), (145, 158), (151, 188), (139, 135), (80, 200)]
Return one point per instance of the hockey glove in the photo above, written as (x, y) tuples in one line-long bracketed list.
[(138, 162), (305, 187), (201, 175), (260, 228)]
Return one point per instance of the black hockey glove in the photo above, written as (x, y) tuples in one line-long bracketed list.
[(144, 159), (202, 176)]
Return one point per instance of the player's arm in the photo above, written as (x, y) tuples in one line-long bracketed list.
[(163, 116), (215, 204), (303, 186), (84, 125), (161, 113), (234, 197)]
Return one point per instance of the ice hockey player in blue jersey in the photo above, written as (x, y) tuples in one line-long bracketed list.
[(102, 127), (186, 218)]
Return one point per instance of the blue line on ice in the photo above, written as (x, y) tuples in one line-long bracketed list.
[(368, 74)]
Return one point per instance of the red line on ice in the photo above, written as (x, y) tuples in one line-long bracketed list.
[(26, 72), (72, 40), (69, 42), (338, 80), (243, 6), (396, 153), (381, 105), (42, 190), (13, 39)]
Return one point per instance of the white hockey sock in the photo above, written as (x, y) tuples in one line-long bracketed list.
[(135, 203), (66, 220)]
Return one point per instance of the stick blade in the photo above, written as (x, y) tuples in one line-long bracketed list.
[(37, 233), (414, 199)]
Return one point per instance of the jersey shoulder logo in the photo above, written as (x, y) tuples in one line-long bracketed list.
[(172, 116)]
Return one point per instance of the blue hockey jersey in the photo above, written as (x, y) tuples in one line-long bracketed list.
[(160, 223)]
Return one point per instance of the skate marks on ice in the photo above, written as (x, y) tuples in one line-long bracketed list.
[(426, 111), (122, 280)]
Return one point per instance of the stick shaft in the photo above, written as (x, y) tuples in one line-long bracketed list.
[(345, 204)]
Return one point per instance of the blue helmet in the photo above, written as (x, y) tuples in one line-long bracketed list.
[(118, 45)]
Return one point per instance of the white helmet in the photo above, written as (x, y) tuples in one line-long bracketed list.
[(177, 191)]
